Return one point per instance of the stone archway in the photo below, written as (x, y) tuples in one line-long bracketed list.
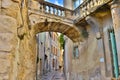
[(27, 51), (27, 24), (70, 31)]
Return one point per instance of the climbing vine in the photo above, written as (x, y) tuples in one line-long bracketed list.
[(61, 40)]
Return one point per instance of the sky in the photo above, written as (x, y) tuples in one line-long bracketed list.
[(58, 2)]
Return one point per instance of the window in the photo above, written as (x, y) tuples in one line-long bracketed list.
[(76, 52), (76, 3)]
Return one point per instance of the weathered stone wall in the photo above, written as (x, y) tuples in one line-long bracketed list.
[(94, 62), (86, 67), (107, 24), (68, 57), (17, 42), (18, 45), (8, 36)]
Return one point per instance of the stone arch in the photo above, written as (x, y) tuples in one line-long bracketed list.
[(70, 31)]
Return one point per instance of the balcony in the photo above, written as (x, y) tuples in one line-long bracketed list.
[(52, 10), (85, 9), (88, 7)]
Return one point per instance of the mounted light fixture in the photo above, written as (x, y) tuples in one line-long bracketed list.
[(46, 22), (98, 35), (85, 33)]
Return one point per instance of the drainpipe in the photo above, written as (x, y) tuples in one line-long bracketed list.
[(114, 53), (37, 37), (0, 4)]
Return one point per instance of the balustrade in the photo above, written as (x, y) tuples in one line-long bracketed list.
[(53, 9), (88, 6)]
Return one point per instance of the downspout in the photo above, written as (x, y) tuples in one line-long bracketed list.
[(37, 57), (0, 6), (114, 53)]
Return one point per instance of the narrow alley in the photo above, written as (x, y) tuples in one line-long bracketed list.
[(59, 39)]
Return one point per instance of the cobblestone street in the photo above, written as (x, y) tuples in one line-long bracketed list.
[(54, 75)]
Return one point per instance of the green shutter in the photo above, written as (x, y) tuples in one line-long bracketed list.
[(114, 55)]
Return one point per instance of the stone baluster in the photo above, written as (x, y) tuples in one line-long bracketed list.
[(77, 11), (41, 7), (49, 9), (60, 12), (57, 12), (103, 1), (87, 8), (91, 4), (88, 5), (95, 2), (44, 8), (53, 10), (99, 2), (82, 11), (63, 13)]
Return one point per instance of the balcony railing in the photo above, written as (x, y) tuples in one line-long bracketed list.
[(88, 7), (53, 9)]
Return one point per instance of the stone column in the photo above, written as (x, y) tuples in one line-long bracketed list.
[(68, 4), (115, 11)]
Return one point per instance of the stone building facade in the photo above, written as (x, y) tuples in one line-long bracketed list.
[(91, 26), (96, 56), (48, 53)]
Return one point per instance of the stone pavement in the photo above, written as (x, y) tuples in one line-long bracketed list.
[(54, 75), (58, 76), (48, 76)]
